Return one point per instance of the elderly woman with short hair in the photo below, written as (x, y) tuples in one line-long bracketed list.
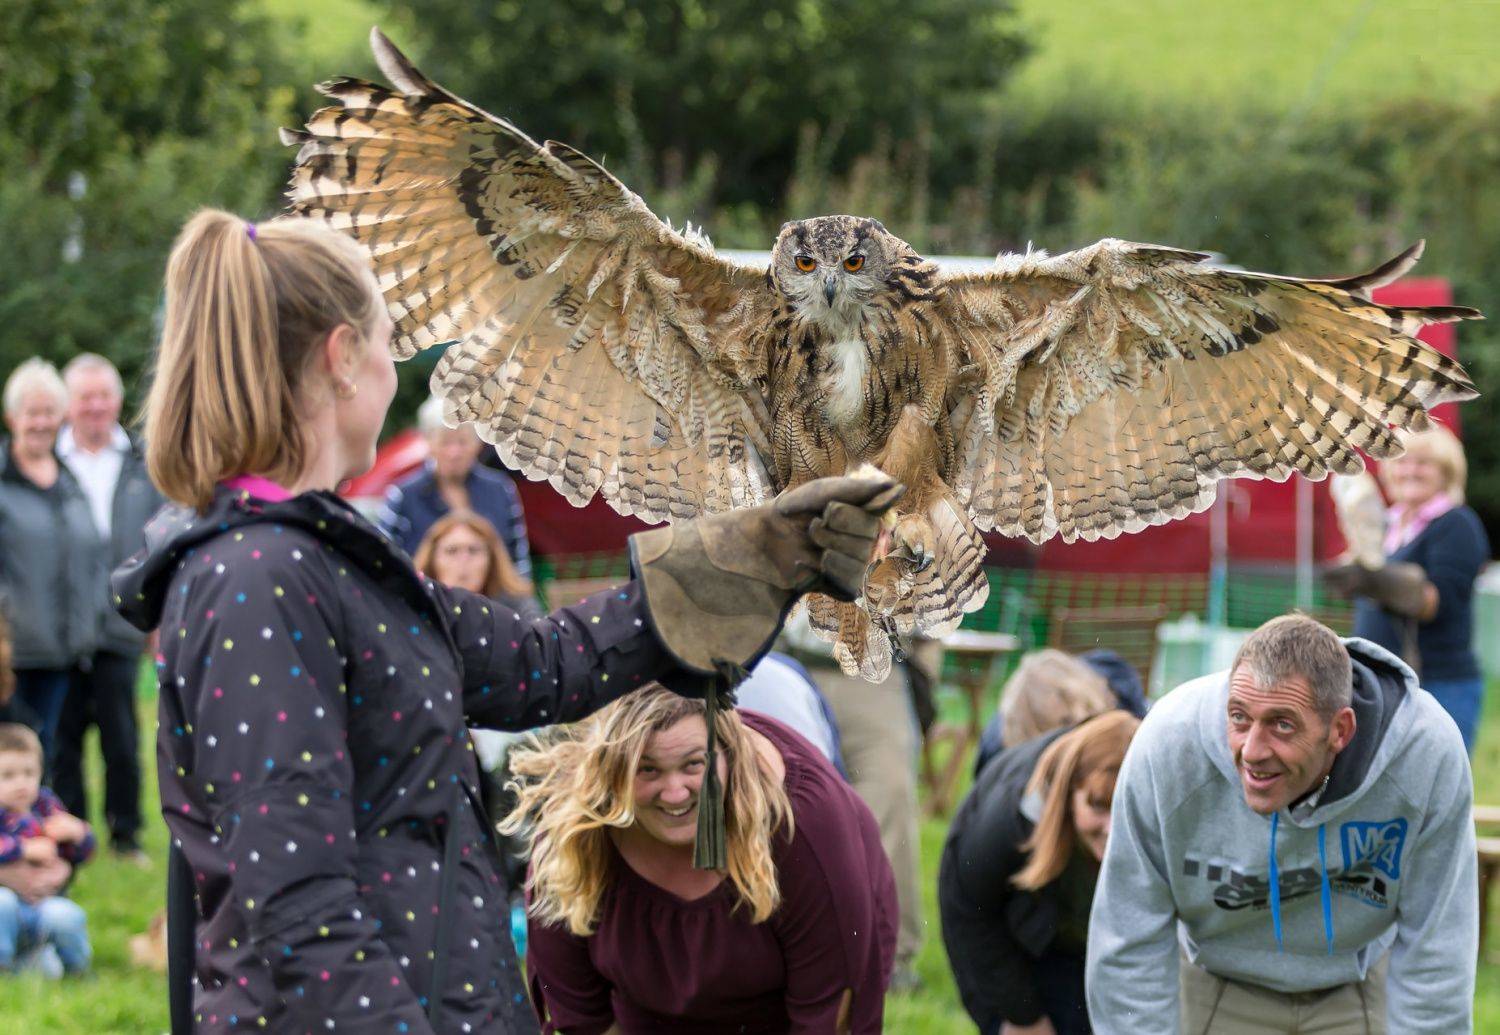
[(1420, 605), (52, 558)]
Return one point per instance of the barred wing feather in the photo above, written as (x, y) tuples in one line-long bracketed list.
[(1112, 387), (598, 348)]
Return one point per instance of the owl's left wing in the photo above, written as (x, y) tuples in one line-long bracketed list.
[(599, 349), (1110, 388)]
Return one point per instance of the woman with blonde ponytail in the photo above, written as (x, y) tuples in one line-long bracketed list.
[(314, 688), (796, 934), (1018, 874)]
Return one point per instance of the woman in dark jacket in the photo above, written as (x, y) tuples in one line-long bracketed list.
[(52, 558), (1018, 873), (1420, 604), (312, 752)]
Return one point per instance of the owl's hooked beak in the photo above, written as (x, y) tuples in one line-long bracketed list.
[(830, 288)]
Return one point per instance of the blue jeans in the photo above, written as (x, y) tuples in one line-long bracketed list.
[(44, 690), (56, 921), (1460, 698)]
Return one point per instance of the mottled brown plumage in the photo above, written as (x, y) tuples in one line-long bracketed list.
[(1085, 395)]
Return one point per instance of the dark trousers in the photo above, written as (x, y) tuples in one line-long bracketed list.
[(103, 696), (44, 691), (1059, 980)]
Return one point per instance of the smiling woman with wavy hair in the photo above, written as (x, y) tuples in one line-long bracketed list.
[(768, 943)]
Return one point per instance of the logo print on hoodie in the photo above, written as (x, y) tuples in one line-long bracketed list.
[(1376, 844), (1235, 890)]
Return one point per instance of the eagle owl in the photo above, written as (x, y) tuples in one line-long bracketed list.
[(1082, 395)]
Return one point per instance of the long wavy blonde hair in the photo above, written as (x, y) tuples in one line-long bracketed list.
[(572, 790)]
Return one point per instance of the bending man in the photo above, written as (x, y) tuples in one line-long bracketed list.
[(1296, 826)]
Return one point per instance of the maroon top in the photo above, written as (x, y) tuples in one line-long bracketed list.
[(659, 964)]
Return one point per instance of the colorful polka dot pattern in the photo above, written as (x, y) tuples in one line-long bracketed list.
[(312, 745)]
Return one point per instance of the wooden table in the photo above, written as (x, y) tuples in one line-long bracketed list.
[(974, 655)]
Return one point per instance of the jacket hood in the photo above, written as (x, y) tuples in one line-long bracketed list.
[(1382, 682), (140, 584)]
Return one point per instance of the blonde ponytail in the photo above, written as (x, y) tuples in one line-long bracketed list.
[(245, 306)]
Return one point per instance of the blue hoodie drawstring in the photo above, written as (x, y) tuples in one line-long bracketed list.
[(1325, 887), (1276, 887)]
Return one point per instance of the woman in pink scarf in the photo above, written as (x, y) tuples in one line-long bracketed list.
[(1420, 605)]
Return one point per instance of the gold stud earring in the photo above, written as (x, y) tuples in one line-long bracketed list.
[(345, 388)]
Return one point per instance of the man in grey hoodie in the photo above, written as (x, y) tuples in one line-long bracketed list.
[(1289, 828)]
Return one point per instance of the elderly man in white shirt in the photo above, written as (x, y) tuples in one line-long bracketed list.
[(109, 467)]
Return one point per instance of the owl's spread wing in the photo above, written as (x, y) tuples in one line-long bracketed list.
[(599, 349), (1111, 387)]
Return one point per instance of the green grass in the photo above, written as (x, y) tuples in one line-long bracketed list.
[(1277, 54), (121, 899)]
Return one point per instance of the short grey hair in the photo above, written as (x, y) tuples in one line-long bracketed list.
[(34, 374), (1296, 645), (86, 361)]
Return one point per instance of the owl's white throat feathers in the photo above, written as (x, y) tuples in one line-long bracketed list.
[(846, 379)]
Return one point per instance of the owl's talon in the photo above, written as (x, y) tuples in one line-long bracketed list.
[(913, 539)]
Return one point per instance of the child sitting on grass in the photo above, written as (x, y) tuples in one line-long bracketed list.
[(37, 830)]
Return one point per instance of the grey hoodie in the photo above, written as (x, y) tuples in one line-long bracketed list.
[(1383, 858)]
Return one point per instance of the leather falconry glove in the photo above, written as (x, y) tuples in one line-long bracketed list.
[(1398, 587), (718, 587)]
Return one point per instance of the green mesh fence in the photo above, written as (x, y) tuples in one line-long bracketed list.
[(1030, 604), (556, 574)]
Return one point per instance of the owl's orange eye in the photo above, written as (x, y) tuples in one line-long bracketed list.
[(806, 263), (854, 263)]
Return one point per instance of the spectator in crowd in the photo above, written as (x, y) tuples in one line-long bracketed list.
[(1050, 689), (1290, 824), (880, 742), (12, 708), (53, 562), (796, 935), (454, 479), (1018, 874), (779, 686), (31, 881), (1420, 605), (313, 687), (35, 829), (462, 549), (111, 469)]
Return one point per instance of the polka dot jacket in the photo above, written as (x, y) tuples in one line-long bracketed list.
[(313, 761)]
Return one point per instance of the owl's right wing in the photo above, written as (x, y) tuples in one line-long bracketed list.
[(1110, 388), (598, 348)]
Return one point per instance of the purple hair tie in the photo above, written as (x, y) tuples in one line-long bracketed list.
[(250, 230)]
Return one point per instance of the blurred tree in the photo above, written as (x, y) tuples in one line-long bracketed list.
[(121, 117), (704, 100)]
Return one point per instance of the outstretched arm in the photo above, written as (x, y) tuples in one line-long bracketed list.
[(1430, 986), (1132, 945)]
